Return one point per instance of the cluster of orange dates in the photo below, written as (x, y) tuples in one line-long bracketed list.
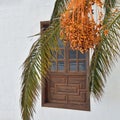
[(78, 25)]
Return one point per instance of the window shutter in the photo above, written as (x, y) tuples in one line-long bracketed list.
[(67, 86)]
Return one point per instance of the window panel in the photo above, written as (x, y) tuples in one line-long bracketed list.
[(61, 54), (54, 54), (67, 86), (53, 66), (60, 65), (73, 66), (72, 54), (81, 56), (82, 66), (60, 43)]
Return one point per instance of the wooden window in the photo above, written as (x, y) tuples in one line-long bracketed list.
[(67, 86)]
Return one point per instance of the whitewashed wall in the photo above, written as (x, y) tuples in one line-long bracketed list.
[(18, 20)]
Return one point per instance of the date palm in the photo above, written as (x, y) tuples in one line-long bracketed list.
[(37, 63)]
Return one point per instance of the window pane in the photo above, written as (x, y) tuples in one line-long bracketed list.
[(82, 56), (60, 43), (60, 66), (61, 54), (82, 66), (53, 54), (53, 66), (73, 66), (72, 54)]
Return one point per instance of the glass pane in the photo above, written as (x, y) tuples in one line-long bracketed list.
[(53, 54), (73, 66), (82, 66), (60, 66), (61, 54), (60, 43), (72, 54), (81, 56), (53, 66)]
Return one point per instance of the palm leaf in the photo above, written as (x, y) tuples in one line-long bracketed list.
[(108, 4), (105, 54), (35, 68), (37, 64), (60, 6)]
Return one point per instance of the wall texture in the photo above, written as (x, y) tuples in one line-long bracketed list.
[(18, 20)]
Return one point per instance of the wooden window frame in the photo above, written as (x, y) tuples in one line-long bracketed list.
[(82, 75)]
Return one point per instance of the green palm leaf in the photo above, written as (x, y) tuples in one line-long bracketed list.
[(105, 54), (38, 62), (60, 6), (36, 67), (108, 4)]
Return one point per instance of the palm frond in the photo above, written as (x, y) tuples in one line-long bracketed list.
[(38, 34), (35, 68), (108, 4), (37, 64), (60, 5), (105, 54)]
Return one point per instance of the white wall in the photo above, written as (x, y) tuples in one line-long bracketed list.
[(19, 19)]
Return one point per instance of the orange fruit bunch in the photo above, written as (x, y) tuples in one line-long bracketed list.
[(78, 26)]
